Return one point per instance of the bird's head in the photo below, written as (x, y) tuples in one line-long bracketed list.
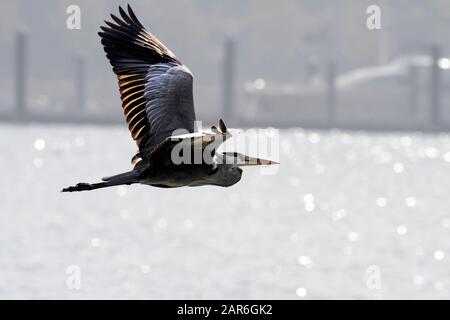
[(227, 171), (223, 175)]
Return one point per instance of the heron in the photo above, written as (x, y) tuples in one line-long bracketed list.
[(156, 91)]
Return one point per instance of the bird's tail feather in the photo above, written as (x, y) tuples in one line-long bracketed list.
[(119, 179)]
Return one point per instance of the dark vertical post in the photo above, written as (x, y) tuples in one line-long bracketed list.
[(413, 90), (435, 86), (229, 78), (331, 92), (21, 73), (80, 82)]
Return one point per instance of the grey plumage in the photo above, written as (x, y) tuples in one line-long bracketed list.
[(157, 99)]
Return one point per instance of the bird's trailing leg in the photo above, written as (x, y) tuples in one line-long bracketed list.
[(116, 180), (82, 186)]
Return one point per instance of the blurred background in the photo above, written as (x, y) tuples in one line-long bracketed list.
[(356, 210)]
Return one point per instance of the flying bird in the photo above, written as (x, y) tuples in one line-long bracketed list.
[(157, 100)]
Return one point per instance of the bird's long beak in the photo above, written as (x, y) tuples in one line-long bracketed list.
[(243, 160), (250, 161)]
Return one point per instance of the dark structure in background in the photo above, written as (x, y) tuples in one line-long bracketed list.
[(80, 82), (229, 79), (409, 93), (320, 102), (20, 72), (413, 87), (435, 86), (331, 92)]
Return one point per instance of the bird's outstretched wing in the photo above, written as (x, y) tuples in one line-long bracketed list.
[(155, 87)]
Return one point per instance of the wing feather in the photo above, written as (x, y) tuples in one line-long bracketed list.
[(155, 87)]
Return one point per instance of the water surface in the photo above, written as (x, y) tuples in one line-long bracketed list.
[(344, 207)]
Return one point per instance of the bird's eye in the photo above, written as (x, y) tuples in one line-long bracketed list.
[(213, 170)]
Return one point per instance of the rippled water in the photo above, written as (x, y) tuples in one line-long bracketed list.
[(349, 215)]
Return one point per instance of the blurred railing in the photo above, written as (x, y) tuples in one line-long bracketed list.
[(70, 101), (409, 93)]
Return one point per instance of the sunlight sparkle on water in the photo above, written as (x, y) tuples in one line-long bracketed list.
[(314, 138), (188, 224), (79, 142), (121, 191), (381, 202), (305, 261), (162, 223), (439, 255), (294, 237), (234, 198), (418, 280), (406, 141), (439, 286), (319, 168), (431, 152), (95, 242), (124, 214), (338, 215), (308, 198), (39, 144), (398, 167), (38, 163), (402, 230), (447, 156), (348, 250), (411, 202), (301, 292), (353, 236), (310, 206), (145, 268), (294, 181), (446, 223), (419, 251), (274, 204)]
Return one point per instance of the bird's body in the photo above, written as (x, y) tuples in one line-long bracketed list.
[(189, 175), (156, 93)]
